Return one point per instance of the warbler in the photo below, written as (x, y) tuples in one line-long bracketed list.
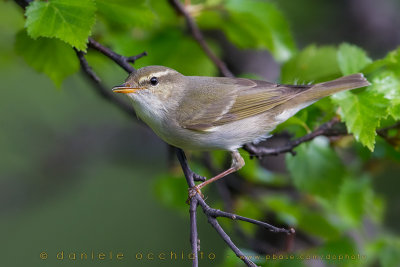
[(219, 113)]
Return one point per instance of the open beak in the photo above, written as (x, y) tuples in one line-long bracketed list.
[(124, 89)]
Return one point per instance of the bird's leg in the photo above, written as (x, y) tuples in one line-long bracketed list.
[(237, 164)]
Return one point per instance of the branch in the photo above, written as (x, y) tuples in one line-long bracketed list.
[(23, 3), (252, 149), (117, 58), (198, 36), (100, 89), (392, 140), (193, 232), (213, 214), (210, 212), (327, 129)]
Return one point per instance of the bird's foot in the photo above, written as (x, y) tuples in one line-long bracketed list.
[(193, 191)]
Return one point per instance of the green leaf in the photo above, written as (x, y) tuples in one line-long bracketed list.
[(316, 169), (362, 113), (50, 56), (68, 20), (253, 24), (313, 65), (351, 59), (269, 27), (171, 48), (388, 84), (126, 12), (391, 62)]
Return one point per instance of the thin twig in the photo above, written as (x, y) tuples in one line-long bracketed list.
[(23, 3), (117, 58), (219, 213), (214, 223), (193, 232), (198, 36), (213, 214), (326, 129), (100, 89)]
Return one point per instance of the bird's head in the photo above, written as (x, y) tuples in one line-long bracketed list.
[(152, 82)]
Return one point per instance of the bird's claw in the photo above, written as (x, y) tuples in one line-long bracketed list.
[(193, 191)]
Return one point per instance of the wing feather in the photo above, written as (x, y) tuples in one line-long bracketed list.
[(229, 100)]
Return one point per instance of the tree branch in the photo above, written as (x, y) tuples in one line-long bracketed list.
[(100, 89), (193, 232), (23, 3), (327, 129), (213, 214), (198, 36), (121, 60)]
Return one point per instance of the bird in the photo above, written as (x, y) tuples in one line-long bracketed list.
[(202, 113)]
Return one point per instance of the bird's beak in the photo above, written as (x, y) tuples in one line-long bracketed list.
[(125, 89)]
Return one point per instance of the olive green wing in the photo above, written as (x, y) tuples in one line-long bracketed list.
[(224, 100)]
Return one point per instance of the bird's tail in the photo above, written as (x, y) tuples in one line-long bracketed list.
[(344, 83), (324, 89), (321, 90)]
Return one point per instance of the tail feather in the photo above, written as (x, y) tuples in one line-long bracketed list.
[(321, 90), (344, 83)]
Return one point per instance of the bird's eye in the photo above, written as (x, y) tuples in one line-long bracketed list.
[(154, 81)]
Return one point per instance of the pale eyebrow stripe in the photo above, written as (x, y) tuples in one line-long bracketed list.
[(156, 74)]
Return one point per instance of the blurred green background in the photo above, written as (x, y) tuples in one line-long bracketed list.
[(77, 175)]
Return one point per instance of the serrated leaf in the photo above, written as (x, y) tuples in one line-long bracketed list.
[(362, 113), (313, 64), (51, 56), (126, 12), (316, 169), (351, 59), (388, 84), (68, 20), (253, 24), (391, 62)]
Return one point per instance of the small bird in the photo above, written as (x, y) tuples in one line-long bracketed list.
[(219, 113)]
